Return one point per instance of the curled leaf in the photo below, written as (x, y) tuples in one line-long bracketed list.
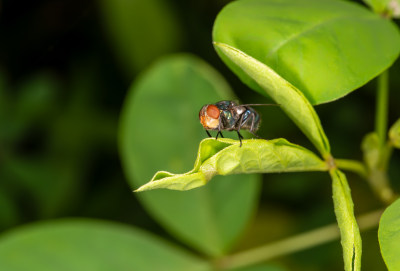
[(225, 156), (292, 101), (350, 234)]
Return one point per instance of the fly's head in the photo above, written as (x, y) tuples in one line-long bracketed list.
[(209, 116)]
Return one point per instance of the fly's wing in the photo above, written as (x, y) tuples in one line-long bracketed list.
[(260, 104)]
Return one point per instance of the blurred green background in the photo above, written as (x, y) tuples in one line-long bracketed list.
[(65, 69)]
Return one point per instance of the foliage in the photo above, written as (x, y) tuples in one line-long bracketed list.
[(60, 139)]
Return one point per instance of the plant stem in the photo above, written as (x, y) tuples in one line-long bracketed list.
[(292, 244), (353, 166), (382, 107)]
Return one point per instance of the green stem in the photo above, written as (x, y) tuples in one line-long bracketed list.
[(353, 166), (292, 244), (382, 107)]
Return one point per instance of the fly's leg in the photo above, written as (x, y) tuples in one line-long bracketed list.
[(219, 133), (240, 138), (241, 122), (219, 129), (208, 133)]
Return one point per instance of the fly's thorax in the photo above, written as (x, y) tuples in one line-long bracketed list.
[(209, 116)]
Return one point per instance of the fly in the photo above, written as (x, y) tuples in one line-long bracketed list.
[(229, 116)]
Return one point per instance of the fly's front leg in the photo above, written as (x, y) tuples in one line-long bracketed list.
[(219, 129), (208, 133)]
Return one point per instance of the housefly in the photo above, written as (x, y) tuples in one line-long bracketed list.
[(229, 116)]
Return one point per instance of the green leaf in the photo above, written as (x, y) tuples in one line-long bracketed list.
[(291, 100), (225, 156), (159, 128), (324, 48), (350, 234), (389, 236), (141, 31), (394, 134), (90, 245)]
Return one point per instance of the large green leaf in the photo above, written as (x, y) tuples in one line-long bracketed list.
[(73, 245), (140, 31), (389, 236), (225, 156), (291, 100), (159, 128), (350, 234), (324, 48)]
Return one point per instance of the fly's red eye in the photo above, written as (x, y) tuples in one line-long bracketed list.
[(213, 111)]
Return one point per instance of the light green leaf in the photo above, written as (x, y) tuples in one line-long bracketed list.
[(141, 31), (225, 156), (324, 48), (291, 100), (160, 129), (389, 236), (394, 134), (90, 245), (350, 234)]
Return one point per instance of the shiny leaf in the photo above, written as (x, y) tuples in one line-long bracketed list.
[(225, 156), (324, 48)]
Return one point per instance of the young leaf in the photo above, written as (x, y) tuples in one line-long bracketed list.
[(90, 245), (291, 100), (313, 44), (350, 234), (159, 128), (394, 134), (225, 156), (389, 236)]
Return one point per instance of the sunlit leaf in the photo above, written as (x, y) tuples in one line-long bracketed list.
[(389, 236), (160, 129), (324, 48), (394, 134), (72, 245), (225, 156), (291, 100), (350, 234)]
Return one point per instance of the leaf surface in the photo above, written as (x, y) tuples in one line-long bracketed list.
[(324, 48), (389, 236), (225, 157), (78, 244)]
